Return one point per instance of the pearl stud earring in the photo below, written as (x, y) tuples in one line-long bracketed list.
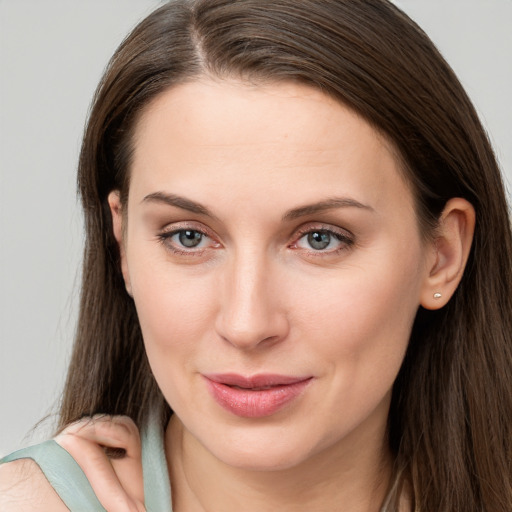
[(437, 295)]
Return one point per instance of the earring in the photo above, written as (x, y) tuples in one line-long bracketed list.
[(437, 295)]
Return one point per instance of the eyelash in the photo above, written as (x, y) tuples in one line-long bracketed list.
[(165, 236), (346, 240)]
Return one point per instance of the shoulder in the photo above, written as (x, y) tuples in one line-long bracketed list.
[(24, 488)]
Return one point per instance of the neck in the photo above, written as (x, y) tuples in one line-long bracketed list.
[(353, 474)]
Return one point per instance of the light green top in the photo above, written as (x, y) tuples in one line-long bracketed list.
[(72, 486)]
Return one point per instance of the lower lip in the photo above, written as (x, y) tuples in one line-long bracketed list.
[(255, 404)]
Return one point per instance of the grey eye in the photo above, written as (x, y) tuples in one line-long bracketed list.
[(319, 240), (190, 238)]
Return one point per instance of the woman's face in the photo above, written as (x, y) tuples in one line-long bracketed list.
[(273, 254)]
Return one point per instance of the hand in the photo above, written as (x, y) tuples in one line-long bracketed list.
[(108, 450)]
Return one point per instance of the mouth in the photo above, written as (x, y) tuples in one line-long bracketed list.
[(257, 396)]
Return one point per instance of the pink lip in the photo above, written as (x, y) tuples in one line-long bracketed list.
[(256, 396)]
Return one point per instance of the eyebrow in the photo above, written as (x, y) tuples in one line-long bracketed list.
[(302, 211), (178, 202), (328, 204)]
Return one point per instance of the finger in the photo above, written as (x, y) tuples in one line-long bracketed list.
[(120, 436), (117, 483), (99, 471), (114, 432)]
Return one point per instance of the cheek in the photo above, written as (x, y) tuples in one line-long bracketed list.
[(362, 315), (173, 308), (175, 313)]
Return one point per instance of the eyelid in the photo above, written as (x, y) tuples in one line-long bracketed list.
[(166, 233), (344, 236), (175, 227), (319, 226)]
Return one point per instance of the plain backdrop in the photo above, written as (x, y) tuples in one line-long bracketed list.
[(52, 54)]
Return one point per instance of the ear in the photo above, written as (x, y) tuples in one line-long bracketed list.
[(450, 251), (114, 201)]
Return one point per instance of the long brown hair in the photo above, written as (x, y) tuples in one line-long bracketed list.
[(451, 412)]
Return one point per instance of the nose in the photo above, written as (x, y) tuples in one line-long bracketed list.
[(251, 313)]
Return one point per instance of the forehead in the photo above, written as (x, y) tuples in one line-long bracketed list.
[(229, 112), (284, 136)]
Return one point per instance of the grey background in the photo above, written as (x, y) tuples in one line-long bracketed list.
[(52, 54)]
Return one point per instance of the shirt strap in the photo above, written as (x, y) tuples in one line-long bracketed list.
[(63, 473)]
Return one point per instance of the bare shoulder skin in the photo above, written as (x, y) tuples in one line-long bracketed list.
[(24, 488)]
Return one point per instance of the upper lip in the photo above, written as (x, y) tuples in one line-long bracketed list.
[(255, 381)]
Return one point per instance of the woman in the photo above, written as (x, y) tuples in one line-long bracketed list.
[(298, 242)]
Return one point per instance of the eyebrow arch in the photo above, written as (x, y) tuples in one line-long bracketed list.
[(328, 204), (179, 202)]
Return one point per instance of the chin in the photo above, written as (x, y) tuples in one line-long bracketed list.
[(272, 453), (261, 461)]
